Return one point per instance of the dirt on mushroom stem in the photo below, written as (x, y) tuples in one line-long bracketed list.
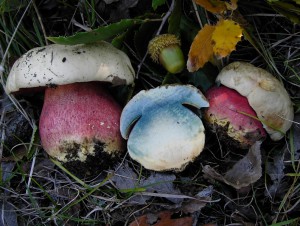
[(79, 126), (93, 165)]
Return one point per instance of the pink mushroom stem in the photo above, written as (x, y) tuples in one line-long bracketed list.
[(78, 121), (231, 114)]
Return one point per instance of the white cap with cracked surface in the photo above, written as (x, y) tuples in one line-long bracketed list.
[(265, 94), (65, 64)]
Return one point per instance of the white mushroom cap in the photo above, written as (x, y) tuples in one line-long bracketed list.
[(265, 94), (65, 64)]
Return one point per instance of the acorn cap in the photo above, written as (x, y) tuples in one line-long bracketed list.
[(65, 64), (157, 44)]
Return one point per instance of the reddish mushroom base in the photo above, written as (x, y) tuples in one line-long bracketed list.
[(79, 126), (231, 116)]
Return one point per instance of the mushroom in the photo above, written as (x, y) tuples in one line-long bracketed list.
[(79, 123), (163, 132), (232, 117), (264, 94)]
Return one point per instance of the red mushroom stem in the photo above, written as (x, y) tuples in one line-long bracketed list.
[(79, 120), (232, 116)]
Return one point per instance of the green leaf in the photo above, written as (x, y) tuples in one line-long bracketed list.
[(142, 36), (118, 40), (188, 29), (156, 3), (290, 9), (101, 33), (203, 78), (175, 18)]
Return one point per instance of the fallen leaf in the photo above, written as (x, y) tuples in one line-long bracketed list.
[(218, 40), (162, 219), (213, 6), (162, 183), (245, 172), (226, 35), (275, 170), (217, 6), (6, 169), (159, 183), (8, 214), (201, 50), (202, 198)]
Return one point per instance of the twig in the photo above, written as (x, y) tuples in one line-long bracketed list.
[(2, 132), (197, 14), (163, 22), (166, 16), (41, 22), (31, 171)]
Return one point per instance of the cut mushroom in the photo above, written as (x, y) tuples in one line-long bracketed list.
[(79, 123), (163, 133)]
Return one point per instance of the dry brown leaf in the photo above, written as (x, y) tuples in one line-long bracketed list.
[(217, 6), (226, 35), (161, 219), (201, 50), (245, 172)]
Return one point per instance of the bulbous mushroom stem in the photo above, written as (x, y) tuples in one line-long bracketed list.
[(235, 121), (79, 126), (265, 94)]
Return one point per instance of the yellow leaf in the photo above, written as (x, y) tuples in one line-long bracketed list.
[(201, 50), (217, 6), (226, 35)]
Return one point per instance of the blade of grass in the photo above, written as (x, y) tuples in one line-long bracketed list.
[(287, 222), (65, 208), (57, 163)]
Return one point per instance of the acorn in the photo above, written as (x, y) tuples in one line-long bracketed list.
[(165, 49)]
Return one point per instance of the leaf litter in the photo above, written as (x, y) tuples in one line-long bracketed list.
[(221, 201), (244, 172), (156, 185)]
